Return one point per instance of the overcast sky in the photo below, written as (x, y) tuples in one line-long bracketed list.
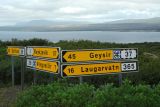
[(13, 11)]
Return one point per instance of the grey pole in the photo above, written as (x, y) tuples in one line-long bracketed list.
[(51, 77), (22, 73), (13, 81), (35, 77), (80, 79), (24, 68), (120, 79)]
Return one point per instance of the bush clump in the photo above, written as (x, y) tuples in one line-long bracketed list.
[(56, 95), (126, 96), (84, 95)]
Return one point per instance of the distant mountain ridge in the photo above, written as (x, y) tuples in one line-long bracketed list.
[(150, 20), (152, 24), (48, 23), (35, 23)]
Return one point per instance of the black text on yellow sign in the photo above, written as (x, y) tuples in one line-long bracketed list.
[(43, 65), (73, 70), (44, 52), (16, 51), (86, 55), (98, 55)]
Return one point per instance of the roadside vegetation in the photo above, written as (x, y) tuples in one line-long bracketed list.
[(83, 95), (141, 89)]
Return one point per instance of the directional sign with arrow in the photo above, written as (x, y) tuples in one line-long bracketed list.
[(42, 65), (97, 55), (73, 70), (43, 52)]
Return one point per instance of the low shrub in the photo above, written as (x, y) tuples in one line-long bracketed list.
[(56, 95), (84, 95)]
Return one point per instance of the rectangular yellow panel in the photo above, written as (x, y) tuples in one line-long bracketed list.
[(93, 55), (47, 66), (13, 51), (46, 52), (90, 69)]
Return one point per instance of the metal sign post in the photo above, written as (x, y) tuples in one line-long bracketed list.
[(35, 77), (13, 78), (120, 79), (80, 79), (51, 77), (17, 51), (22, 73)]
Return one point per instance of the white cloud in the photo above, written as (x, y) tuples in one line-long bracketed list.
[(71, 10), (12, 11)]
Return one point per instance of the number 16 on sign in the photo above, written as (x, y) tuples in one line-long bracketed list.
[(73, 70)]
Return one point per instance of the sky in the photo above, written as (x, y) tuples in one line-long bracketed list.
[(94, 11)]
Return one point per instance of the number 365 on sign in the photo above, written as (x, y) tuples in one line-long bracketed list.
[(72, 70)]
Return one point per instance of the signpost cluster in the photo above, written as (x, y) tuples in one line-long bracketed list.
[(17, 51), (75, 63), (98, 61), (36, 58), (43, 59)]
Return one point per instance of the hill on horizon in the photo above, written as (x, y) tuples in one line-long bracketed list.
[(151, 24)]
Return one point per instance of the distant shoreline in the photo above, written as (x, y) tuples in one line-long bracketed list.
[(84, 31)]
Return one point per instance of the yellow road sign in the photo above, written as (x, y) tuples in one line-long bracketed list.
[(16, 51), (42, 65), (97, 55), (92, 55), (98, 68), (43, 52)]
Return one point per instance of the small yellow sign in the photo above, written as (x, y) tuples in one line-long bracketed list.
[(47, 66), (84, 55), (44, 52), (90, 69), (16, 51), (13, 51)]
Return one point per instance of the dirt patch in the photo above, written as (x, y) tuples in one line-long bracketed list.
[(8, 96)]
